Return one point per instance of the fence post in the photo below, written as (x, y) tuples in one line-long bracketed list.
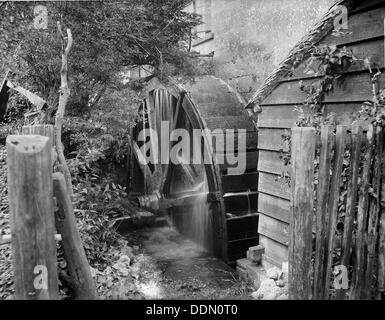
[(32, 217), (373, 217), (351, 201), (322, 209), (341, 134), (381, 249), (46, 130), (358, 282), (301, 207)]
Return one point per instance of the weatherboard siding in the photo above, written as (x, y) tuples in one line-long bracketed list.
[(280, 111)]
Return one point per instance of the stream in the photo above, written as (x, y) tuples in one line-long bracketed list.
[(173, 267)]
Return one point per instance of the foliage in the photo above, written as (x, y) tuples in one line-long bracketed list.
[(373, 111), (108, 36), (96, 155), (331, 63), (119, 281), (327, 62)]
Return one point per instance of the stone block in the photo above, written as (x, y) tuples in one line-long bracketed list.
[(250, 273), (254, 254)]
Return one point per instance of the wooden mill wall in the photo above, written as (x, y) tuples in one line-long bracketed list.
[(279, 114)]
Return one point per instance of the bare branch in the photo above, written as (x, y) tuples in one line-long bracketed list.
[(65, 49), (63, 99), (69, 42)]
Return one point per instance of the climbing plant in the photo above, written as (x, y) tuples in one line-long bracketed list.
[(327, 63)]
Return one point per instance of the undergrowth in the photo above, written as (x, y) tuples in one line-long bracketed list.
[(96, 144)]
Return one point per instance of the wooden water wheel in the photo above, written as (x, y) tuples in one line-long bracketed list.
[(205, 203)]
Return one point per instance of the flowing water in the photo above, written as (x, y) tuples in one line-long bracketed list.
[(195, 220), (173, 267)]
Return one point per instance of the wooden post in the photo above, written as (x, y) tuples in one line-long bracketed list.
[(46, 130), (303, 151), (373, 217), (79, 269), (341, 133), (351, 202), (32, 217), (358, 285), (322, 209), (381, 235), (381, 247)]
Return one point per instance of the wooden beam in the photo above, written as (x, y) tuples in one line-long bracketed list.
[(32, 219)]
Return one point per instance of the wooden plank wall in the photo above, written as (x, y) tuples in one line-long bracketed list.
[(280, 112)]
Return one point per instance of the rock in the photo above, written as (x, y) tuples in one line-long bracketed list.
[(254, 254), (123, 265), (128, 251), (250, 272), (285, 271), (274, 273), (255, 295), (285, 267), (108, 270), (93, 272), (125, 259), (284, 296), (280, 283), (268, 291), (122, 268)]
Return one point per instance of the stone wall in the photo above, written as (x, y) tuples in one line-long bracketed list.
[(250, 37)]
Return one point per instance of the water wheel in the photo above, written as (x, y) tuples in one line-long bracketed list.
[(205, 202)]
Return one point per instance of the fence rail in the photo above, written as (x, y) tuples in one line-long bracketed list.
[(337, 213)]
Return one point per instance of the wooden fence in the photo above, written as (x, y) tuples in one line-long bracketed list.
[(337, 239), (32, 187)]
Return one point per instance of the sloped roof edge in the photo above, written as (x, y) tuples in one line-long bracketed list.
[(302, 48)]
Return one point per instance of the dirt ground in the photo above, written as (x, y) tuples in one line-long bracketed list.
[(173, 267)]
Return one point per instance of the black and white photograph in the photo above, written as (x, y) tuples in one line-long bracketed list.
[(192, 157)]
